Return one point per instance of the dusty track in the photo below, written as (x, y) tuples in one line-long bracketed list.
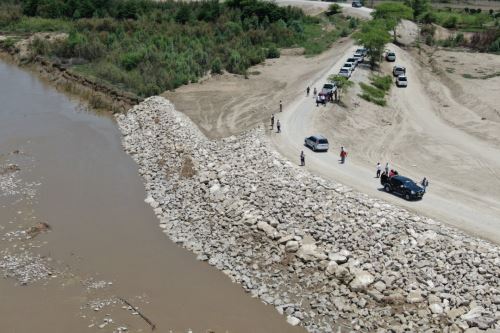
[(414, 136)]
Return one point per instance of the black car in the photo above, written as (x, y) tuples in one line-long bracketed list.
[(403, 186)]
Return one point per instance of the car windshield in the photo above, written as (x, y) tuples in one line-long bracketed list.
[(328, 86), (410, 183), (391, 54), (323, 141), (356, 55), (351, 60), (347, 65), (343, 70), (402, 78)]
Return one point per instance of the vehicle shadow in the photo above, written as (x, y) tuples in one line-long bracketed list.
[(381, 189)]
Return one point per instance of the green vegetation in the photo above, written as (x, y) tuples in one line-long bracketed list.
[(392, 13), (377, 90), (463, 19), (373, 36), (147, 47), (342, 84)]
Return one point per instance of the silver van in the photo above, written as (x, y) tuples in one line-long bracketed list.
[(317, 142)]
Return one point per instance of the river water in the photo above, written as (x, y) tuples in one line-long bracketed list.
[(90, 193)]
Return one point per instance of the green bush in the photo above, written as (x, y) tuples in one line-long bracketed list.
[(273, 52), (216, 66), (383, 83)]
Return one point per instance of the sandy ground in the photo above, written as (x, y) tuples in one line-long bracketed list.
[(422, 132), (227, 104)]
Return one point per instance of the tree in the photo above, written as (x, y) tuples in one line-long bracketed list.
[(373, 36), (334, 8), (342, 84), (419, 7), (392, 13)]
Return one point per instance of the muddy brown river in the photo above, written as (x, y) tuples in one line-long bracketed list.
[(105, 241)]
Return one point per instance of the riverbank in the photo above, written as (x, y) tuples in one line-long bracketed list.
[(319, 252), (99, 96)]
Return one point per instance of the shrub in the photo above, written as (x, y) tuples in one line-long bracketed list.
[(273, 52), (216, 66), (334, 8), (383, 83), (451, 22)]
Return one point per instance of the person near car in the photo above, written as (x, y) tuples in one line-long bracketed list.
[(383, 177), (307, 91), (302, 158), (387, 168), (343, 155), (315, 92), (281, 106), (272, 121), (424, 184), (278, 126), (379, 169), (392, 173), (318, 100)]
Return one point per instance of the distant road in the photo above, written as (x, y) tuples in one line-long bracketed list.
[(315, 7)]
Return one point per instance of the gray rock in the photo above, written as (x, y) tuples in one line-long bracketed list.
[(361, 280)]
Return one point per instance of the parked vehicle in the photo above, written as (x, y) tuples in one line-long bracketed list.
[(328, 89), (317, 142), (398, 70), (390, 56), (402, 186), (402, 81), (345, 72), (352, 61), (359, 56), (357, 4), (349, 66), (362, 51)]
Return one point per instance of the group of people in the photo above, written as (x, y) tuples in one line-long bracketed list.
[(392, 172)]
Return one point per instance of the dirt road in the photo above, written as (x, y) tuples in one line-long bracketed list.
[(416, 139), (316, 7)]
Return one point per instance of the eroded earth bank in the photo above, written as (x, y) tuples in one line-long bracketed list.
[(321, 253)]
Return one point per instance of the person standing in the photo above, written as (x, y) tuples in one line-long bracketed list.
[(307, 91), (302, 158), (281, 106), (315, 92), (278, 126), (272, 121), (343, 155), (387, 168), (379, 169), (424, 184)]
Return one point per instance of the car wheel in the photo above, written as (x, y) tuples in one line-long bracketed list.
[(387, 188), (407, 197), (314, 148)]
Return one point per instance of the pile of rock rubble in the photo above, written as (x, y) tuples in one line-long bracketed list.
[(322, 254)]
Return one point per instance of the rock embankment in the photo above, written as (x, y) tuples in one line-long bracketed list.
[(322, 254)]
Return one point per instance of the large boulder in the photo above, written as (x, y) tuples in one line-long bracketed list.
[(361, 281), (310, 252)]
